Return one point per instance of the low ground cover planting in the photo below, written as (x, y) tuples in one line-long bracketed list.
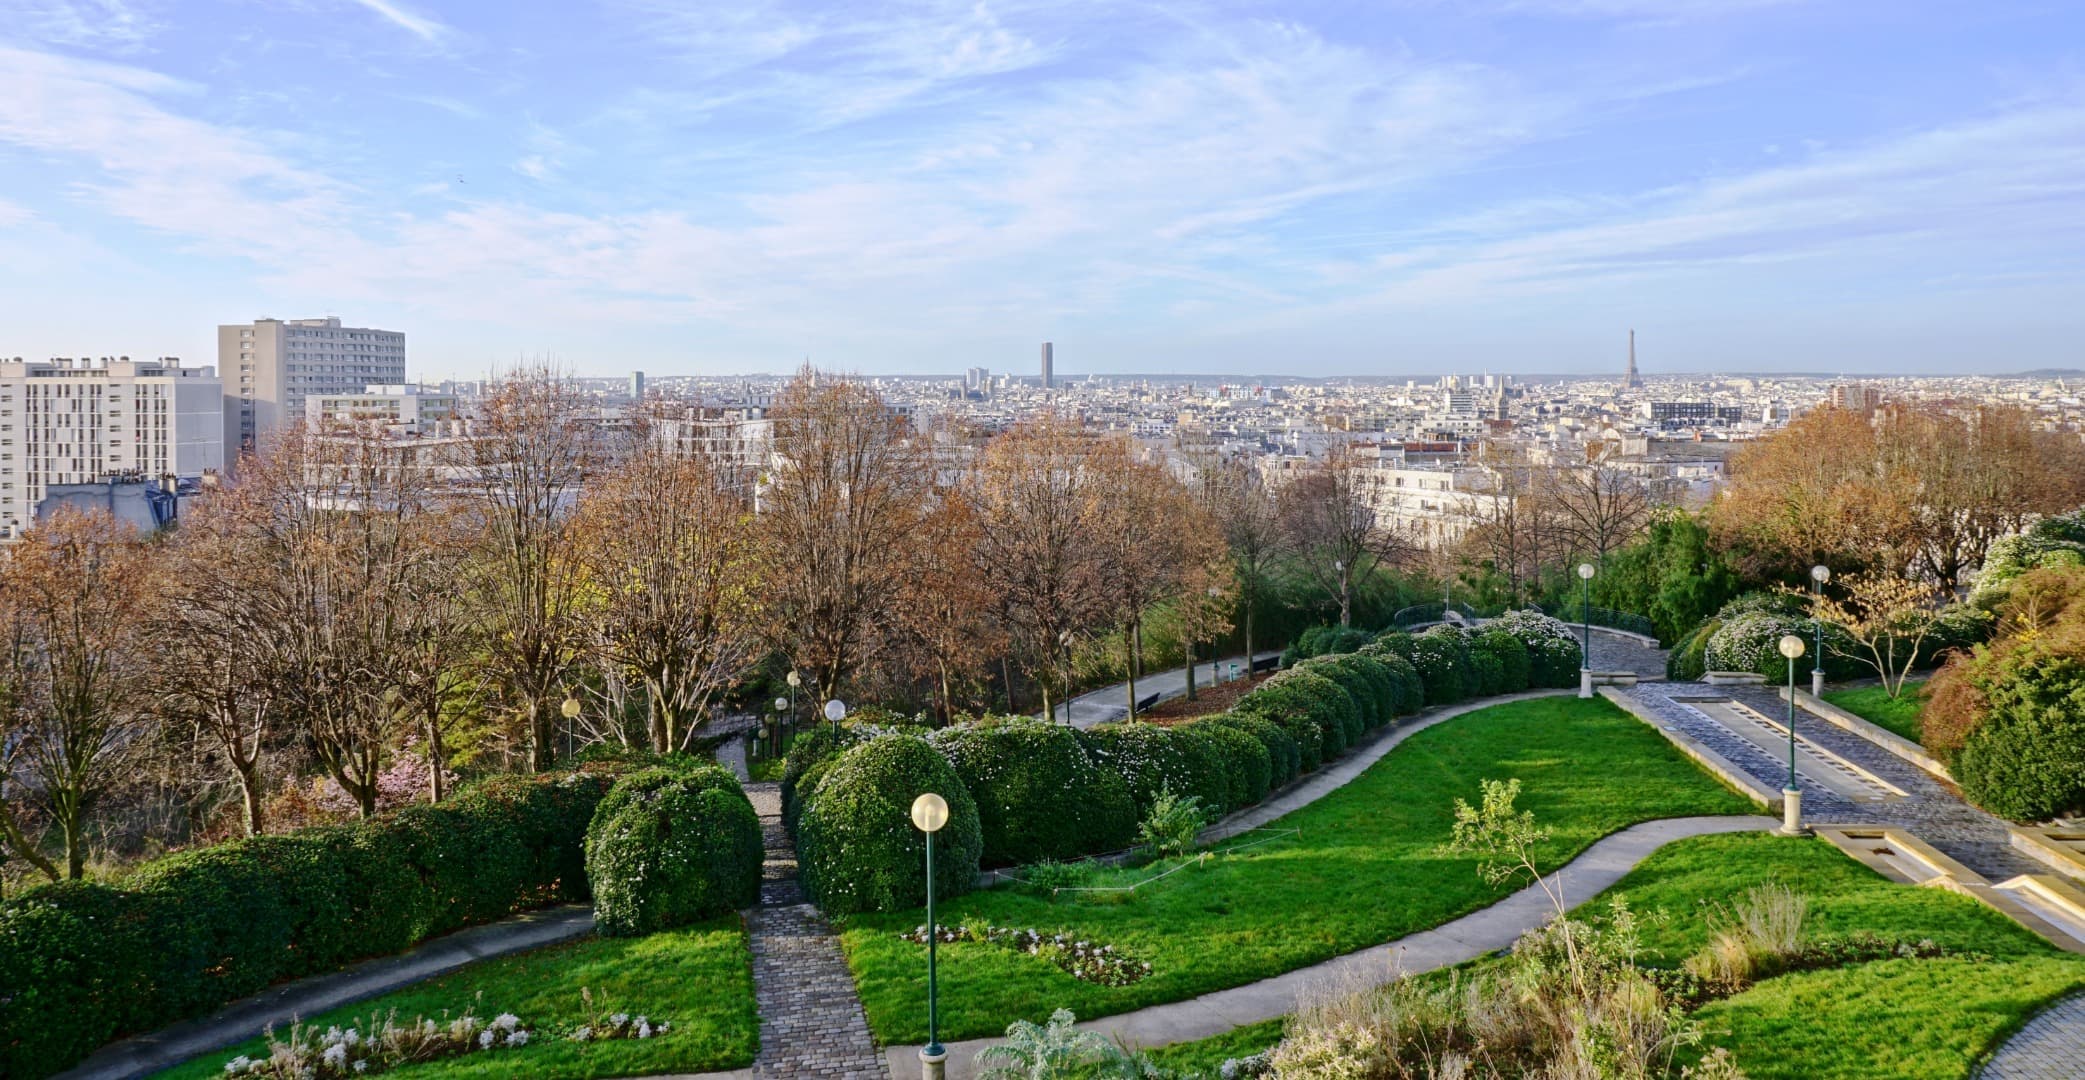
[(1885, 1018), (697, 980), (1899, 714), (1364, 867)]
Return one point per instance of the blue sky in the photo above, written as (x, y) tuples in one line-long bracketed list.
[(1395, 186)]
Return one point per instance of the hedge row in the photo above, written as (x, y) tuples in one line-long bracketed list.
[(1022, 790), (82, 964)]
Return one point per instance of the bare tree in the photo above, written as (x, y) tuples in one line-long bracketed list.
[(1244, 509), (211, 674), (75, 595), (530, 449), (845, 498), (1329, 522), (1035, 492), (1600, 507), (1887, 617), (1512, 524), (1150, 537), (669, 551), (947, 623)]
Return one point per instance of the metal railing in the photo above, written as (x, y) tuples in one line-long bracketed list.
[(1431, 612), (1607, 617)]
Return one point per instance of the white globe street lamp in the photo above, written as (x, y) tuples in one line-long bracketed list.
[(1819, 574), (836, 710), (1791, 798), (929, 814), (1585, 645)]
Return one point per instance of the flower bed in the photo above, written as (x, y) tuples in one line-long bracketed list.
[(1085, 960), (310, 1054)]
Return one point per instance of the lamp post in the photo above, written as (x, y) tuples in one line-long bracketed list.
[(1791, 798), (794, 680), (1819, 574), (929, 814), (774, 744), (1585, 645), (836, 710), (570, 711)]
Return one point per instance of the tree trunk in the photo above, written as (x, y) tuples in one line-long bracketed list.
[(250, 792), (947, 705), (21, 846), (435, 758), (1248, 642), (542, 738), (1346, 607), (1190, 671), (1129, 646), (75, 844), (1006, 679)]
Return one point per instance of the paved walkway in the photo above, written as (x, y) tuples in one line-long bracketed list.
[(811, 1022), (1613, 652), (249, 1017), (1112, 702), (1454, 942), (1931, 809), (2050, 1047)]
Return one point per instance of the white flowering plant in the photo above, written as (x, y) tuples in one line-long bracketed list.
[(375, 1044), (1090, 961), (603, 1025)]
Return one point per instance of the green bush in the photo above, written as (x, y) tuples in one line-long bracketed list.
[(1323, 641), (856, 847), (1395, 641), (1750, 641), (1284, 759), (1688, 661), (1333, 706), (1368, 679), (1247, 764), (1508, 654), (1151, 758), (1039, 793), (226, 921), (809, 752), (77, 970), (2025, 760), (1441, 657), (1300, 713), (669, 847), (1554, 652), (1408, 693)]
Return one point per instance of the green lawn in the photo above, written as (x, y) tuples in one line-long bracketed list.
[(1878, 1021), (1365, 869), (1873, 704), (699, 979), (1891, 1018)]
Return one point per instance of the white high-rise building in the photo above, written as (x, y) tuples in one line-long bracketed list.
[(271, 365), (66, 421)]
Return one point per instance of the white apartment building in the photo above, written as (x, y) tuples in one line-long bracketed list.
[(403, 408), (271, 366), (67, 421)]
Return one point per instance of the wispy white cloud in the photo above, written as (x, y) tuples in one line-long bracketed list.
[(412, 22), (115, 26)]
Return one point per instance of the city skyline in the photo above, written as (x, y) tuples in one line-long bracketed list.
[(923, 188)]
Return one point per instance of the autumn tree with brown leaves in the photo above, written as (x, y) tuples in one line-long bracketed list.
[(671, 562), (1151, 534), (531, 447), (1036, 491), (844, 501), (75, 600)]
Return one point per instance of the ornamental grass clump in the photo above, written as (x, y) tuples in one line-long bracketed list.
[(377, 1045)]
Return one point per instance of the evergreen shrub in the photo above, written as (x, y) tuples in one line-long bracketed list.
[(857, 849), (670, 847)]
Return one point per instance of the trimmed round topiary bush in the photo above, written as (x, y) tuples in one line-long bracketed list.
[(1284, 761), (1368, 680), (1554, 652), (1688, 661), (1751, 642), (1248, 767), (856, 847), (810, 752), (1441, 657), (2025, 758), (1508, 654), (670, 847), (1151, 759), (1039, 794)]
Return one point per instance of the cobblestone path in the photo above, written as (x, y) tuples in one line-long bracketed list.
[(1932, 810), (2050, 1047), (1612, 652), (811, 1022)]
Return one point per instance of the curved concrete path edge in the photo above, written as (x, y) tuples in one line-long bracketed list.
[(1595, 870), (141, 1055)]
